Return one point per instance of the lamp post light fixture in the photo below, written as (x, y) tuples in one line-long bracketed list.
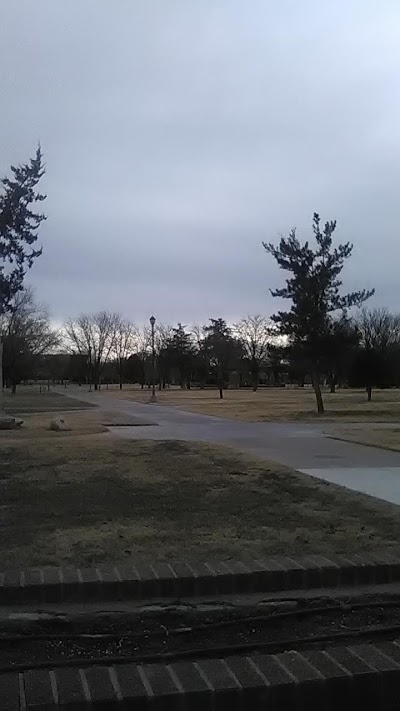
[(153, 358)]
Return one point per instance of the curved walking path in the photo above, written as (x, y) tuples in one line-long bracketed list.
[(300, 445)]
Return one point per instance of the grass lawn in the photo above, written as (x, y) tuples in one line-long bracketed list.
[(37, 426), (383, 437), (271, 404), (87, 499), (29, 399)]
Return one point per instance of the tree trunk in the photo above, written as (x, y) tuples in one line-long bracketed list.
[(1, 377), (254, 371), (318, 394), (220, 382), (333, 384), (369, 392), (13, 388)]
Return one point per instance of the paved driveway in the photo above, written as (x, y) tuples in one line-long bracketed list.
[(302, 446)]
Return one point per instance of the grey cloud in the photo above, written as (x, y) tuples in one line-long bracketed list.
[(178, 134)]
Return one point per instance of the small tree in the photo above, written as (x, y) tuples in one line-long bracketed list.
[(314, 290), (19, 227), (135, 369), (223, 350), (180, 352), (254, 334), (162, 337), (339, 348), (55, 367), (201, 361)]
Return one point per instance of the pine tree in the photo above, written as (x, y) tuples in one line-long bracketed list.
[(19, 226), (314, 290), (181, 353), (223, 350)]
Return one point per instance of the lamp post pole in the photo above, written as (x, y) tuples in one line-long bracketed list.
[(153, 357)]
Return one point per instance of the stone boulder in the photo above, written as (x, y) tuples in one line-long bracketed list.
[(7, 422), (58, 424)]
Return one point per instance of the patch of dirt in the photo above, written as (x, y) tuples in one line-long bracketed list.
[(176, 632)]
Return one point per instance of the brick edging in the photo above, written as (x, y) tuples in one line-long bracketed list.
[(361, 676), (188, 578)]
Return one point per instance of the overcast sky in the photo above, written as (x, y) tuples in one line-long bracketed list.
[(179, 134)]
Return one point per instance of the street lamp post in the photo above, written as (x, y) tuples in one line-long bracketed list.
[(153, 357)]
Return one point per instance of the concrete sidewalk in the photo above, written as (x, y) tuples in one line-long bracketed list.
[(303, 446)]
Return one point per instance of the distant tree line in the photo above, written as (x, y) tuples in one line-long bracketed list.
[(100, 348), (105, 347)]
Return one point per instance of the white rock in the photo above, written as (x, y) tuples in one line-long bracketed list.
[(58, 424)]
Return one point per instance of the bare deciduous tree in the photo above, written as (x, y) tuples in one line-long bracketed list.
[(93, 336), (141, 342), (142, 349), (27, 334), (163, 335), (379, 332), (379, 328), (254, 333), (124, 337)]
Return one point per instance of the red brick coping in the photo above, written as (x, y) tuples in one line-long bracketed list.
[(188, 578), (362, 676)]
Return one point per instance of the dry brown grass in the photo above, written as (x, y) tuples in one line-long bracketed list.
[(82, 500), (272, 404), (37, 426), (383, 437)]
